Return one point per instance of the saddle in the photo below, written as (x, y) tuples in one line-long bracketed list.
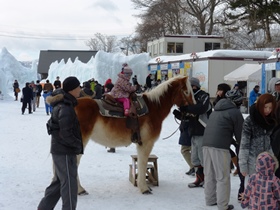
[(109, 107)]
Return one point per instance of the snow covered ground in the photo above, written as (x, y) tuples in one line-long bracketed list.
[(26, 169)]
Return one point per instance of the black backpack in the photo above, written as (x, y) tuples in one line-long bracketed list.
[(39, 88)]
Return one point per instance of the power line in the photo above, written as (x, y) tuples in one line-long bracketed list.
[(41, 37)]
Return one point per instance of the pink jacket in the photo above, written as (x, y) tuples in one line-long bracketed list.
[(263, 189), (123, 87)]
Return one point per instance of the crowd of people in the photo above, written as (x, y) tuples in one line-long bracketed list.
[(91, 88), (207, 140), (208, 132)]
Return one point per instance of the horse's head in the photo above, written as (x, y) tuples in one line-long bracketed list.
[(183, 94)]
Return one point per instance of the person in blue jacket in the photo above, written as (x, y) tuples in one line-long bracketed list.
[(254, 94)]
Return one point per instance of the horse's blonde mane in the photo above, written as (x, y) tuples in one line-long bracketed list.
[(154, 94)]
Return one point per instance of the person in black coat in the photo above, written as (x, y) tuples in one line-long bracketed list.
[(86, 91), (98, 90), (66, 144), (27, 96), (16, 89), (199, 113), (39, 91), (149, 81), (185, 140), (57, 83)]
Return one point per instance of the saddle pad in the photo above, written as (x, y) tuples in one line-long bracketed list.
[(108, 110)]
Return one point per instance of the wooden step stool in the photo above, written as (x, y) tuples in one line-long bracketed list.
[(151, 170)]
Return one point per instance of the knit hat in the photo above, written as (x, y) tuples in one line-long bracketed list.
[(108, 81), (70, 83), (224, 87), (127, 70), (87, 85), (195, 82), (277, 82)]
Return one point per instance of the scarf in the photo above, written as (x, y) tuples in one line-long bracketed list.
[(266, 123)]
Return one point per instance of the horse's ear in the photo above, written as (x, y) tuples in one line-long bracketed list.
[(185, 80)]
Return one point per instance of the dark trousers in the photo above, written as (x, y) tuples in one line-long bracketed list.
[(16, 95), (241, 177), (24, 105), (64, 184)]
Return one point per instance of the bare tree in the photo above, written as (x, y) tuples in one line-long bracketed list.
[(175, 17), (130, 45), (159, 17), (257, 16), (102, 42), (203, 15)]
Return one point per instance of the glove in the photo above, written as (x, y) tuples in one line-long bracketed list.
[(183, 108), (177, 114)]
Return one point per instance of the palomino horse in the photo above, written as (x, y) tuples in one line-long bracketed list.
[(112, 132)]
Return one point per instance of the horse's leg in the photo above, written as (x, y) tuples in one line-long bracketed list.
[(81, 190), (143, 153)]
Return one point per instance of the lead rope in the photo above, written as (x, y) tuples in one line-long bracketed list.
[(174, 131)]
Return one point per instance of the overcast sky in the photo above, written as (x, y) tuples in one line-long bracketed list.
[(28, 26)]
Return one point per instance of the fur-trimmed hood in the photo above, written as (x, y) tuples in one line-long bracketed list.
[(60, 96)]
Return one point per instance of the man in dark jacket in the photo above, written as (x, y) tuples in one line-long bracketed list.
[(57, 83), (86, 91), (27, 95), (199, 113), (16, 89), (224, 123), (66, 144), (149, 81), (39, 91), (98, 90), (185, 140)]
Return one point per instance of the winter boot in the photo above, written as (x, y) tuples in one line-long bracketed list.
[(191, 172), (230, 207), (199, 178)]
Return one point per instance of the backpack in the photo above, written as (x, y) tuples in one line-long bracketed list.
[(203, 118), (39, 89)]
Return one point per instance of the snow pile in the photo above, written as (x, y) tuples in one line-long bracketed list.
[(11, 70), (103, 66)]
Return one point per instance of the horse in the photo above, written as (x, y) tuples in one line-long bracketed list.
[(112, 132)]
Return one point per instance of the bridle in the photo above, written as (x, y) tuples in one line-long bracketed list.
[(185, 100)]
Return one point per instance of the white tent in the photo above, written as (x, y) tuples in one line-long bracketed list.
[(246, 72)]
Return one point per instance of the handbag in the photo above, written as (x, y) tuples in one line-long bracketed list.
[(17, 90)]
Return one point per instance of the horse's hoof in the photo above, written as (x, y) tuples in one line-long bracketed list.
[(83, 193), (147, 192)]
